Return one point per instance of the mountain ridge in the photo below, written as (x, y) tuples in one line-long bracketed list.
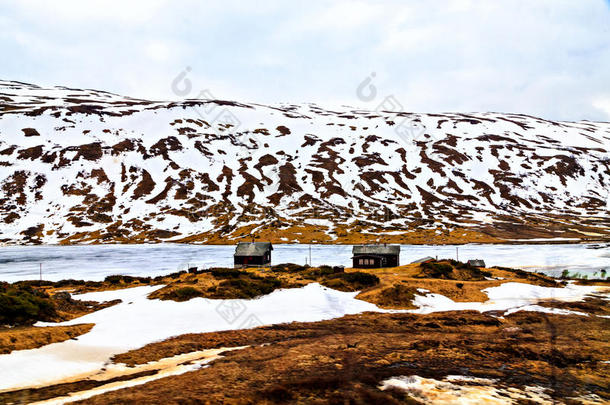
[(87, 166)]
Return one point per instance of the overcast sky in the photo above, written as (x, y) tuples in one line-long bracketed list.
[(549, 58)]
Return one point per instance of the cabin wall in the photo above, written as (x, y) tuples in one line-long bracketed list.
[(375, 261), (366, 262), (252, 260), (392, 260)]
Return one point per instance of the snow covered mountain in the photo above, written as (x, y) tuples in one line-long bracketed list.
[(90, 166)]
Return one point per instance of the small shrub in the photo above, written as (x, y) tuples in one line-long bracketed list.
[(185, 293), (114, 279), (358, 277), (176, 275), (93, 283), (436, 270), (23, 305), (124, 279), (227, 273), (350, 281), (288, 267), (397, 295), (246, 287), (321, 271), (461, 265), (338, 284), (69, 282), (32, 283)]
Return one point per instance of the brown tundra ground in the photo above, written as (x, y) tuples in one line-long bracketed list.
[(565, 358)]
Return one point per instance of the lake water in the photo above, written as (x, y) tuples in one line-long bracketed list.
[(94, 262)]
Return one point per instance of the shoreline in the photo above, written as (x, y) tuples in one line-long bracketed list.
[(535, 241)]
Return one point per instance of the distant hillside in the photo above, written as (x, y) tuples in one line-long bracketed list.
[(90, 166)]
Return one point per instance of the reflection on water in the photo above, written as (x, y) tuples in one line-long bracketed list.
[(98, 261)]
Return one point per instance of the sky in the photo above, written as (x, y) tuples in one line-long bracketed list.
[(549, 58)]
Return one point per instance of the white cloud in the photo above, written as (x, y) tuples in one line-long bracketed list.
[(133, 11), (549, 58), (603, 104), (160, 51), (345, 15)]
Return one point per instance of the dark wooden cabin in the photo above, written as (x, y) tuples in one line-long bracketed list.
[(375, 256), (476, 263), (252, 254)]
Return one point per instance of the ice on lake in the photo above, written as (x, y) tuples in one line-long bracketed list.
[(94, 262)]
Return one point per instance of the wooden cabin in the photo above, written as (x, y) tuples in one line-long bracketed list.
[(476, 263), (252, 254), (375, 256)]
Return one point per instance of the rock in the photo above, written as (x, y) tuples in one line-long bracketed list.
[(30, 132)]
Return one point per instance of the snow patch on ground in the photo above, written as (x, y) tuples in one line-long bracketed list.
[(449, 391), (179, 364), (511, 297), (138, 321)]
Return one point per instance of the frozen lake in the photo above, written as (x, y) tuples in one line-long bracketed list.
[(95, 262)]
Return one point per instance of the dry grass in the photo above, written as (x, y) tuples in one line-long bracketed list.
[(247, 283), (227, 283), (209, 286), (304, 233), (31, 337), (292, 231), (459, 290), (344, 360)]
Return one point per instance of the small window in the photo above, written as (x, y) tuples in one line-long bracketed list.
[(361, 261)]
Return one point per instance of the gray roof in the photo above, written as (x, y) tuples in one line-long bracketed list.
[(476, 262), (376, 250), (423, 259), (252, 248)]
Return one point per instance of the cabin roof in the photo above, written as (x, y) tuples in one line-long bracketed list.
[(476, 262), (423, 259), (376, 249), (252, 248)]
